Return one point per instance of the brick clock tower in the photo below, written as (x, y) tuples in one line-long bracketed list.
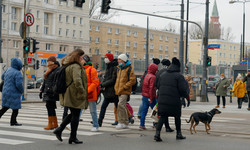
[(214, 25)]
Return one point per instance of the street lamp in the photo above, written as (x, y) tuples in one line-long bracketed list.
[(243, 39)]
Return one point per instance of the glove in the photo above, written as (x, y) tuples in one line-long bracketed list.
[(41, 95)]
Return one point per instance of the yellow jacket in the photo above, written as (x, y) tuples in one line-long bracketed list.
[(239, 89)]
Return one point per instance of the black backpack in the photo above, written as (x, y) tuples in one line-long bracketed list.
[(59, 83)]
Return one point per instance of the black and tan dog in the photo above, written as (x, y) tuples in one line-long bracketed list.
[(205, 117)]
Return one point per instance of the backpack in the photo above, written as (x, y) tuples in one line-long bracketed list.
[(60, 86)]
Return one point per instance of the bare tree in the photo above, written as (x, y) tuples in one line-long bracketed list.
[(170, 27), (195, 32), (227, 34), (95, 11)]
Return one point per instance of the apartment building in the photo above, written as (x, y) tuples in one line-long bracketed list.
[(59, 26)]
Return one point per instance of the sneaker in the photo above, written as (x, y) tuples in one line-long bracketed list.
[(121, 126), (142, 128), (223, 106), (94, 129), (217, 106)]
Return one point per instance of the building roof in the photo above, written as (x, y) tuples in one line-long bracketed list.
[(215, 12)]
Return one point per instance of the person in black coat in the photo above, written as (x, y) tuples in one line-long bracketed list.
[(47, 94), (171, 87), (107, 86)]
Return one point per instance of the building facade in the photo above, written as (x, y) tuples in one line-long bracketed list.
[(59, 26)]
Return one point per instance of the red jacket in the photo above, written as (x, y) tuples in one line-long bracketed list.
[(92, 81), (148, 86)]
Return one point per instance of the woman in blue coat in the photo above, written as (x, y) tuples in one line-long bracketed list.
[(12, 90)]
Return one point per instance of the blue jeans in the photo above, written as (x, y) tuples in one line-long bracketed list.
[(140, 110), (93, 112), (145, 105)]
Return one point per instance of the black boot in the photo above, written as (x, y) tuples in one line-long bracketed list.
[(169, 129), (76, 141), (100, 123), (179, 136), (58, 133), (115, 123), (157, 136)]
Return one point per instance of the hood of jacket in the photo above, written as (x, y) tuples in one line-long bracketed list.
[(16, 63), (126, 64), (174, 68), (153, 68), (113, 63)]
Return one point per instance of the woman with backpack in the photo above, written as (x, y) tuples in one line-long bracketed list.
[(93, 82), (76, 95), (12, 90), (48, 95)]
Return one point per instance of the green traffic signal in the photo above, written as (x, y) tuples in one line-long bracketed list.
[(209, 59), (26, 45)]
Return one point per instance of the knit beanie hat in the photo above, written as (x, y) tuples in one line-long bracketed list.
[(123, 57), (52, 58), (165, 62), (110, 56), (156, 61), (86, 58)]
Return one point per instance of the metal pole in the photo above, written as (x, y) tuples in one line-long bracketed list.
[(243, 41), (241, 57), (204, 74), (186, 56), (25, 81), (146, 62), (0, 30), (181, 42)]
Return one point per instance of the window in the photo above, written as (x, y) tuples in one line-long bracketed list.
[(13, 26), (61, 48), (17, 54), (90, 39), (13, 13), (144, 46), (67, 32), (161, 37), (4, 24), (74, 20), (109, 41), (46, 30), (175, 40), (109, 30), (234, 47), (220, 54), (65, 47), (97, 40), (37, 14), (90, 51), (80, 34), (97, 28), (160, 48), (97, 51), (231, 47), (160, 57), (80, 20), (166, 56), (234, 56), (46, 1), (135, 55), (230, 55), (128, 54), (135, 44), (151, 56), (74, 33), (151, 36), (224, 55), (116, 42), (3, 8), (128, 43), (116, 53), (175, 50), (46, 18), (145, 35), (117, 31), (128, 33), (67, 19), (60, 31), (90, 27), (60, 17), (151, 46), (48, 47), (167, 38), (37, 28), (144, 56), (77, 47), (135, 34), (15, 44), (166, 48)]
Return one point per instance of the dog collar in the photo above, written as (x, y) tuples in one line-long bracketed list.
[(210, 114)]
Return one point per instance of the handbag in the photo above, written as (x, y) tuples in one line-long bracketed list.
[(245, 99), (154, 114), (1, 86)]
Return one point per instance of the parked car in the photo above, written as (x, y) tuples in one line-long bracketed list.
[(211, 86), (39, 82)]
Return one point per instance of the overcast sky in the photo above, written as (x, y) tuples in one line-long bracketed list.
[(231, 15)]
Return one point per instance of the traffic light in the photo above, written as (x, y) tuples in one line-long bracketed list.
[(209, 61), (26, 45), (35, 48), (36, 65), (79, 3), (105, 6)]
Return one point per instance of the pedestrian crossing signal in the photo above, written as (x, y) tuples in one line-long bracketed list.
[(209, 61), (26, 45)]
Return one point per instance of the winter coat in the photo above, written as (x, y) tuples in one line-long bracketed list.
[(76, 95), (109, 80), (239, 89), (171, 87), (124, 82), (92, 81), (148, 87), (49, 95), (220, 89), (247, 79), (13, 85), (190, 82)]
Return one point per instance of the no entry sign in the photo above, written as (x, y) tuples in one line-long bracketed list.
[(29, 19)]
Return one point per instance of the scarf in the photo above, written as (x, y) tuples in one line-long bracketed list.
[(50, 68)]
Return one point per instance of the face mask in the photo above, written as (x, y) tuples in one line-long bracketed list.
[(106, 60), (120, 64), (221, 78)]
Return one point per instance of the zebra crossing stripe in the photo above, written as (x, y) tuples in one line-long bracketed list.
[(13, 142)]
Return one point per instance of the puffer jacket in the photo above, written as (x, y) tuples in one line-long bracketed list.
[(124, 82), (76, 95), (13, 85), (92, 81), (49, 95), (109, 80), (239, 89), (148, 87)]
